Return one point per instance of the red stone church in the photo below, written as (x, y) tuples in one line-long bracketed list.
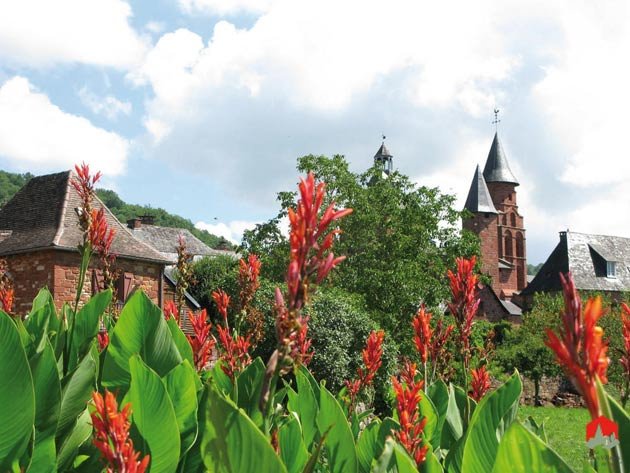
[(495, 218)]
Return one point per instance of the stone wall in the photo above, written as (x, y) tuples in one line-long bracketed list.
[(59, 271), (30, 273)]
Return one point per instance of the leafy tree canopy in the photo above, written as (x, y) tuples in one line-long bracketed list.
[(10, 183), (399, 241)]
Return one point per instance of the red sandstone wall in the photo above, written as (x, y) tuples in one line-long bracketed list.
[(485, 226), (31, 272)]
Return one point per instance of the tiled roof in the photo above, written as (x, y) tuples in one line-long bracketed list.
[(479, 199), (585, 255), (497, 168), (43, 214), (166, 239)]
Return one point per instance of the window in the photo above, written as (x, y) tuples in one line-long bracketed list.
[(611, 269)]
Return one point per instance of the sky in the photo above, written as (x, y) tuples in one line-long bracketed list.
[(201, 107)]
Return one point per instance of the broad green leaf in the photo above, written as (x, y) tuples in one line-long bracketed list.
[(307, 406), (431, 464), (181, 342), (368, 446), (44, 457), (531, 425), (221, 380), (429, 412), (181, 388), (232, 443), (292, 449), (438, 392), (249, 385), (47, 390), (622, 419), (141, 329), (520, 451), (80, 433), (313, 382), (17, 396), (342, 456), (45, 299), (76, 390), (154, 416), (394, 459), (86, 324), (494, 414), (37, 326)]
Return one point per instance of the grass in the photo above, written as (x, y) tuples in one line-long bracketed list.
[(565, 428)]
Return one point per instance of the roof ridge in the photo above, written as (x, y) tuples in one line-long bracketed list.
[(62, 214)]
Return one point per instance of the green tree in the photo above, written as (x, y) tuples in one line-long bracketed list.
[(399, 241), (10, 183)]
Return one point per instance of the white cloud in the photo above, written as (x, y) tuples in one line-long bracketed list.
[(232, 231), (109, 106), (156, 27), (37, 135), (42, 33), (225, 7)]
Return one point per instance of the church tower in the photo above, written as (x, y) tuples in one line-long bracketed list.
[(498, 223), (383, 159)]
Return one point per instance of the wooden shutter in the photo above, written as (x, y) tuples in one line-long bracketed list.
[(125, 286)]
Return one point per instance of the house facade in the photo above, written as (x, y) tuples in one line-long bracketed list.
[(39, 236), (493, 215)]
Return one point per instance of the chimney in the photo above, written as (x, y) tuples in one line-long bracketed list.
[(147, 219), (134, 223), (563, 235)]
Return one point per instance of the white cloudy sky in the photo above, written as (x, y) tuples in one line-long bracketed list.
[(202, 106)]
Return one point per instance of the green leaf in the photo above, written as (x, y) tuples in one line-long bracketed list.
[(87, 322), (17, 396), (249, 385), (76, 390), (81, 432), (183, 346), (37, 326), (494, 414), (431, 464), (394, 459), (623, 421), (181, 388), (312, 381), (520, 451), (438, 392), (154, 416), (307, 406), (140, 329), (292, 449), (342, 456), (368, 446), (232, 443), (221, 380), (429, 412)]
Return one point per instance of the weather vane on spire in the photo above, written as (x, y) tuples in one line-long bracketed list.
[(496, 119), (384, 137)]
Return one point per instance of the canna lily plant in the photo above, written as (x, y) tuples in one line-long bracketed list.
[(244, 415)]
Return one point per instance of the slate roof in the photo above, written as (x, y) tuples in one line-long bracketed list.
[(479, 199), (497, 168), (42, 215), (585, 255), (382, 152), (166, 239)]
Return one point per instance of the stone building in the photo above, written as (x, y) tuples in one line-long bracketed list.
[(495, 218), (39, 235), (598, 263)]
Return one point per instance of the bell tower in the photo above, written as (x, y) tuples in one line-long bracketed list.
[(498, 222), (383, 159)]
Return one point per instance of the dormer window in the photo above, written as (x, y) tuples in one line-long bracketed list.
[(611, 269)]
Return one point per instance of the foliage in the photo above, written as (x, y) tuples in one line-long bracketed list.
[(211, 274), (399, 241), (10, 183), (532, 269)]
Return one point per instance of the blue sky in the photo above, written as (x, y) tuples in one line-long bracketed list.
[(202, 106)]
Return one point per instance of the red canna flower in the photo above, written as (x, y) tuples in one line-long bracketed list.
[(423, 333), (84, 184), (480, 383), (372, 354), (202, 342), (579, 347), (103, 340), (6, 299), (170, 310), (222, 300), (248, 273), (408, 395), (111, 436), (464, 302)]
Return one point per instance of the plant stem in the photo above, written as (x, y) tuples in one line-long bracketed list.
[(86, 254)]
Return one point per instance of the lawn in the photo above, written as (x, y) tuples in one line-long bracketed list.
[(565, 428)]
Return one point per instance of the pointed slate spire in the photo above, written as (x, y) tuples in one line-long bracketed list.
[(479, 199), (497, 168), (384, 158)]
